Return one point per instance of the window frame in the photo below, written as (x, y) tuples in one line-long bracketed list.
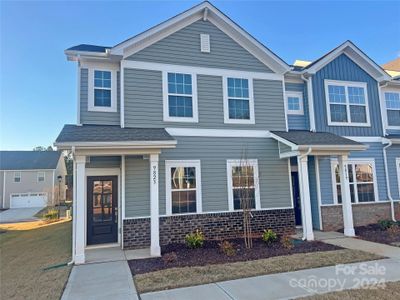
[(91, 105), (38, 176), (387, 109), (168, 189), (230, 163), (166, 116), (296, 94), (227, 120), (19, 176), (359, 161), (347, 84)]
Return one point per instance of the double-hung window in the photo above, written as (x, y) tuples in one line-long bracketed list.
[(102, 90), (238, 100), (40, 177), (183, 186), (347, 103), (361, 176), (294, 102), (392, 101), (180, 97), (17, 176), (243, 184)]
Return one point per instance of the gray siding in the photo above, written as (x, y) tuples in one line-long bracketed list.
[(183, 48), (299, 122), (144, 102), (213, 153), (104, 162), (284, 148), (94, 117), (343, 68), (393, 152), (325, 175)]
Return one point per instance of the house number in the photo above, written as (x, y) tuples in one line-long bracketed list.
[(154, 174)]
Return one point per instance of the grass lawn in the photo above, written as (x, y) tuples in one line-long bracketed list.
[(188, 276), (23, 256)]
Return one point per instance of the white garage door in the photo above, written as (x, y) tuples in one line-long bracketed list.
[(28, 200)]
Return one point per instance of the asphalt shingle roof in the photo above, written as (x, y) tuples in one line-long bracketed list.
[(29, 160), (108, 133), (89, 48), (300, 137)]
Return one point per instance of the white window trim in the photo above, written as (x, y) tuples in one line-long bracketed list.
[(237, 162), (176, 164), (227, 120), (386, 109), (38, 176), (301, 102), (167, 118), (91, 106), (346, 84), (371, 161), (398, 173), (19, 175)]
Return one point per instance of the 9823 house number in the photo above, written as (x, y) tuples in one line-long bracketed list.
[(154, 174)]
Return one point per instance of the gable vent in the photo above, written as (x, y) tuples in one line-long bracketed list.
[(205, 43)]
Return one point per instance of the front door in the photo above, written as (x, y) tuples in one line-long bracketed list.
[(102, 212), (296, 197)]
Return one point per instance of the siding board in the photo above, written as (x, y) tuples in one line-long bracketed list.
[(299, 122)]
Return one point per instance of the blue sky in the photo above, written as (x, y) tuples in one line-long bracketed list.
[(38, 85)]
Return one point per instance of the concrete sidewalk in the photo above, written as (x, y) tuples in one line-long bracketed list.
[(14, 215), (288, 285)]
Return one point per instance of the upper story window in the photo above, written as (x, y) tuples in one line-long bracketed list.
[(180, 97), (40, 177), (102, 90), (238, 100), (17, 176), (294, 102), (392, 101), (347, 103)]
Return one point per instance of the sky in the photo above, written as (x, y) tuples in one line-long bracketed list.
[(38, 87)]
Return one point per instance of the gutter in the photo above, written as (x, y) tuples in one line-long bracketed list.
[(302, 207), (387, 179), (310, 98)]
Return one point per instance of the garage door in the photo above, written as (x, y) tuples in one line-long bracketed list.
[(28, 200)]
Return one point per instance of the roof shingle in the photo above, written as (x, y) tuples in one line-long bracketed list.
[(29, 160), (300, 137)]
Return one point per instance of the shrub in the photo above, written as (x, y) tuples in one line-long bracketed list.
[(287, 242), (269, 236), (227, 248), (169, 257), (385, 224), (194, 239), (394, 230), (51, 215)]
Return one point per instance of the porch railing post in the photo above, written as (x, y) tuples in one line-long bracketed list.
[(80, 210)]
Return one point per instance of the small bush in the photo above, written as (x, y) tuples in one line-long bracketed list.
[(394, 230), (51, 215), (269, 236), (386, 224), (169, 257), (195, 239), (227, 248), (287, 242)]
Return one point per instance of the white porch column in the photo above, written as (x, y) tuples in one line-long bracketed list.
[(80, 210), (346, 197), (308, 233), (154, 212)]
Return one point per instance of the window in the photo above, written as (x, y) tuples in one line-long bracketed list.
[(294, 101), (183, 186), (392, 101), (180, 100), (347, 103), (238, 100), (243, 184), (40, 176), (17, 176), (102, 90), (361, 180)]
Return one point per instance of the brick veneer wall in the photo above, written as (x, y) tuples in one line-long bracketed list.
[(363, 214), (136, 232)]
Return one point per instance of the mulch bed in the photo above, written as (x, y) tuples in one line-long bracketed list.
[(375, 233), (210, 253)]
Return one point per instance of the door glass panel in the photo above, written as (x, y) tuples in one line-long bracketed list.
[(102, 201)]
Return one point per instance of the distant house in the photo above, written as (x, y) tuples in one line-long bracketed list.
[(31, 178)]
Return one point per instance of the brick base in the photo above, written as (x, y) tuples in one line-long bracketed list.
[(363, 214), (173, 229)]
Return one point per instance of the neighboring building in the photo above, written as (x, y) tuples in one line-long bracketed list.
[(31, 178), (167, 119)]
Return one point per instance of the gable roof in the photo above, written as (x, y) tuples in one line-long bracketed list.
[(29, 160)]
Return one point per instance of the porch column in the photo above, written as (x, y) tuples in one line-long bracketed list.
[(346, 197), (80, 210), (154, 212), (308, 233)]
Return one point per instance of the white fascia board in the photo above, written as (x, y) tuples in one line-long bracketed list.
[(334, 147), (284, 141), (365, 139), (196, 132), (122, 144)]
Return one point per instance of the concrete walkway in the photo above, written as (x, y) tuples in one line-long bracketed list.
[(288, 285), (14, 215)]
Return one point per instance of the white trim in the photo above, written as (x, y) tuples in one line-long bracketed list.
[(346, 84), (319, 196), (78, 99), (230, 163), (310, 99), (385, 118), (205, 45), (218, 132), (294, 94), (53, 188), (132, 64), (130, 144), (80, 234), (290, 182), (168, 190), (17, 176), (365, 139), (353, 161), (155, 249), (285, 106), (347, 208), (4, 189), (398, 173), (123, 179), (122, 97), (306, 216), (195, 114), (44, 176)]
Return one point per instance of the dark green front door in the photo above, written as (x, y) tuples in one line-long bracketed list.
[(102, 214)]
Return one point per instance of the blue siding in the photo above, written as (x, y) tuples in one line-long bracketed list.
[(325, 175), (313, 192), (393, 152), (343, 68), (298, 122)]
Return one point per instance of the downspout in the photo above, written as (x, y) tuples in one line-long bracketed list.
[(302, 193), (73, 208), (387, 180), (383, 108), (310, 98)]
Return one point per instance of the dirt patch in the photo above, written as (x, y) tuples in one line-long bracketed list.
[(179, 255), (375, 233)]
